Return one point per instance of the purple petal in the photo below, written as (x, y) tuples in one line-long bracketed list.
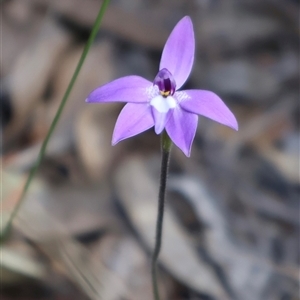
[(133, 119), (181, 128), (178, 53), (210, 105), (125, 89)]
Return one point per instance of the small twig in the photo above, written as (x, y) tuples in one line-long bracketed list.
[(57, 117)]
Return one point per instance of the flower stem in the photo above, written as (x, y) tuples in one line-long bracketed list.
[(166, 144), (57, 116)]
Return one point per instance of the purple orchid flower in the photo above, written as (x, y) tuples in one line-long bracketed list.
[(160, 104)]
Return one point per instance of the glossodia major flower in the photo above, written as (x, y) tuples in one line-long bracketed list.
[(160, 103)]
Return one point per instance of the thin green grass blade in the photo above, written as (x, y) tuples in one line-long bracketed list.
[(57, 117)]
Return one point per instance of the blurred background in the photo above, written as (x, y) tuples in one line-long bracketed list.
[(86, 228)]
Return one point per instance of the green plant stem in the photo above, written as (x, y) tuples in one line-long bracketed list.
[(166, 144), (58, 115)]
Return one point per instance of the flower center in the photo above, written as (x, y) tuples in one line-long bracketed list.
[(165, 83)]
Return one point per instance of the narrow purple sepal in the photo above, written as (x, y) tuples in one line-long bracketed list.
[(133, 119), (125, 89), (179, 51), (181, 128), (209, 105)]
